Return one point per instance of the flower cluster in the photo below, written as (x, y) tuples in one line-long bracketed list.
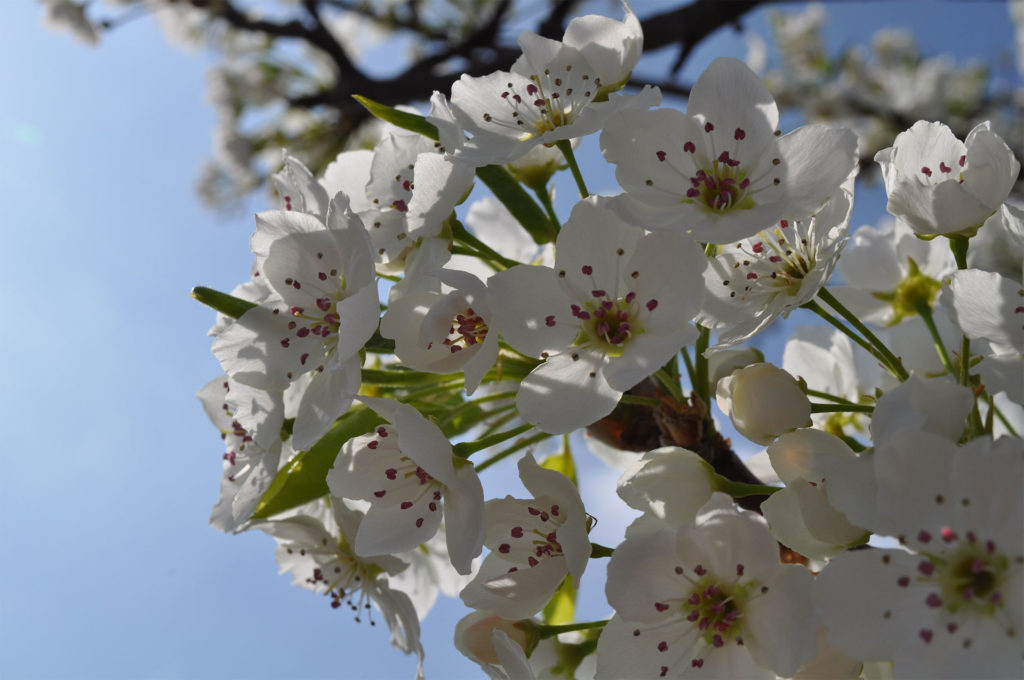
[(393, 344)]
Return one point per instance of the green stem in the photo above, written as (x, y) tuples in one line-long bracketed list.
[(690, 372), (541, 436), (836, 323), (958, 244), (701, 386), (514, 197), (925, 312), (459, 249), (460, 233), (740, 489), (671, 386), (465, 406), (381, 377), (512, 367), (565, 146), (842, 408), (827, 397), (872, 344), (545, 201), (640, 401), (598, 550), (551, 631), (410, 397), (852, 319), (851, 442), (999, 414), (499, 422), (965, 361), (466, 449)]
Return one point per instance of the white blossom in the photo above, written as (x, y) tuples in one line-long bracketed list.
[(535, 543), (940, 185), (407, 471), (707, 600), (614, 309), (718, 172)]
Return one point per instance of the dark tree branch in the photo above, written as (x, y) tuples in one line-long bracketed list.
[(391, 19), (553, 25), (687, 26)]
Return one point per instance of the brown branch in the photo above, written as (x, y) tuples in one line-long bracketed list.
[(687, 26)]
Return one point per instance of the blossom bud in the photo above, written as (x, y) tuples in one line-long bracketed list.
[(763, 401), (940, 185), (724, 362), (473, 635)]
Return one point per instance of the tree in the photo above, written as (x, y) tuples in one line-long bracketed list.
[(594, 339), (290, 69)]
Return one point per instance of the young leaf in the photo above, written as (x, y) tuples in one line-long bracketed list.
[(303, 479), (562, 607), (222, 302), (511, 193), (407, 121)]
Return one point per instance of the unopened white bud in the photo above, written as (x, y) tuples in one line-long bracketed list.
[(763, 401), (474, 633)]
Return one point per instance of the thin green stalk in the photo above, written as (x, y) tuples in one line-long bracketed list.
[(545, 201), (741, 489), (688, 362), (671, 386), (501, 455), (551, 631), (836, 323), (827, 397), (891, 359), (499, 422), (999, 414), (466, 449), (565, 146), (458, 249), (640, 401), (897, 369), (460, 233), (842, 408), (958, 244), (383, 377), (965, 361), (701, 386), (925, 312), (481, 416), (465, 406), (852, 443), (990, 418), (455, 386)]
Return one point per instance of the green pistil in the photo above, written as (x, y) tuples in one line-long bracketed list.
[(609, 332), (716, 612), (971, 577), (913, 292)]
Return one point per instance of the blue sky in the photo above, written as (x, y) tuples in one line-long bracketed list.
[(110, 466)]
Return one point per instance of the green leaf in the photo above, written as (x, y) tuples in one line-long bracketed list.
[(303, 479), (222, 302), (407, 121), (512, 194), (562, 462), (562, 607), (405, 378), (378, 344)]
